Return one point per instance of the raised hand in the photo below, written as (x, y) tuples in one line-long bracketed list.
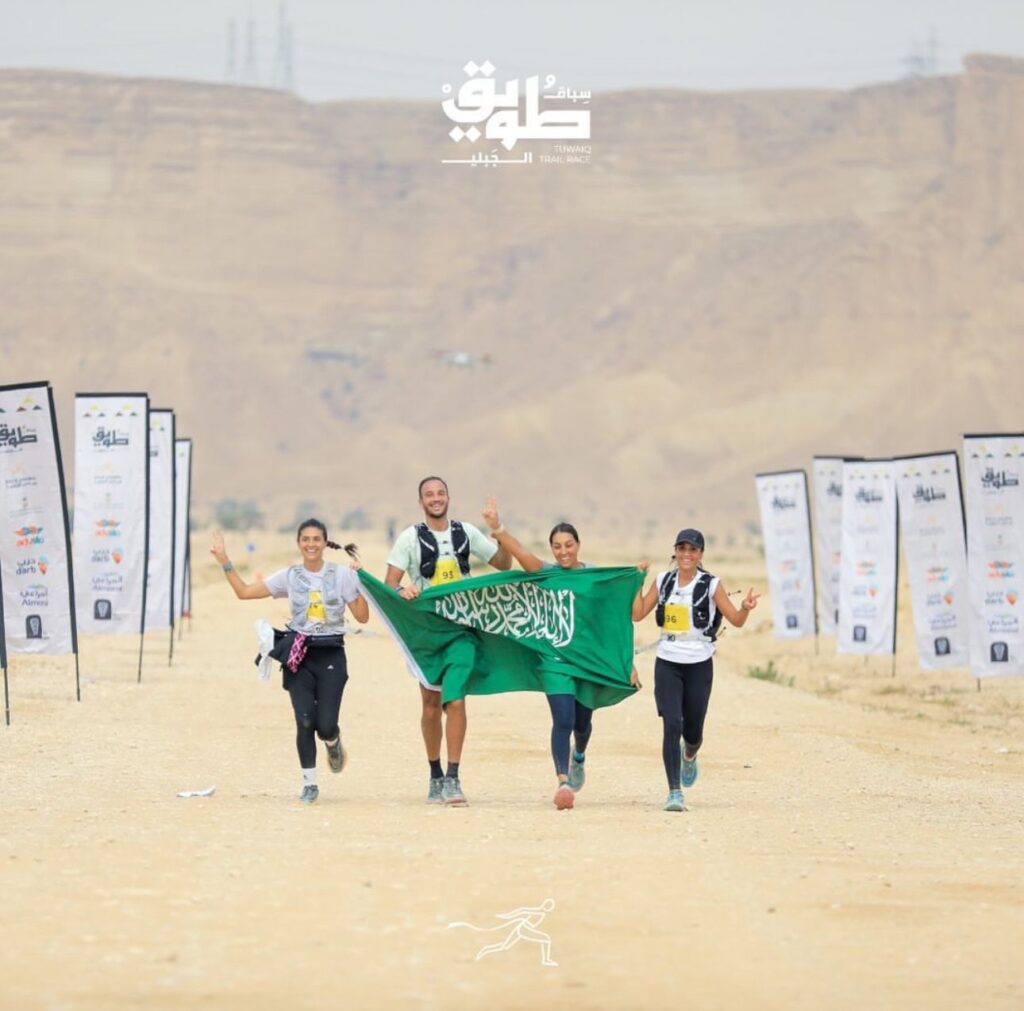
[(750, 600), (490, 513), (217, 548)]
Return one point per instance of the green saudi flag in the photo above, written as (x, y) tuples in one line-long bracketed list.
[(557, 630)]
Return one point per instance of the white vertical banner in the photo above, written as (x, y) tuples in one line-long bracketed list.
[(932, 525), (38, 599), (111, 510), (182, 499), (160, 567), (868, 563), (828, 530), (786, 523), (993, 475)]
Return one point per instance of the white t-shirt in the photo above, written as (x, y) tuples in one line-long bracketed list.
[(348, 589), (680, 641), (406, 554)]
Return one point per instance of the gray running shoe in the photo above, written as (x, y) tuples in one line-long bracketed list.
[(674, 802), (336, 756), (452, 793), (435, 795), (577, 774), (309, 794)]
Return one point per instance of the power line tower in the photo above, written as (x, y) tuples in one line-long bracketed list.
[(252, 75), (231, 67), (923, 60), (283, 55)]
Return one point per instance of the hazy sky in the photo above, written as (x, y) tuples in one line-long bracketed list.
[(387, 48)]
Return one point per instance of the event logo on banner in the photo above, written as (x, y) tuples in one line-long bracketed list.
[(160, 568), (37, 593), (786, 522), (932, 521), (111, 510), (993, 475), (868, 566), (182, 498), (828, 530)]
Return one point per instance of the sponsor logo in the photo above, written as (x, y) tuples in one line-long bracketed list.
[(33, 627), (107, 528), (102, 610), (942, 647), (999, 652), (780, 503), (937, 574), (109, 438), (867, 568), (868, 495), (925, 495), (27, 536), (35, 596), (107, 582), (996, 480), (860, 633), (1000, 569), (14, 436), (792, 621), (834, 489)]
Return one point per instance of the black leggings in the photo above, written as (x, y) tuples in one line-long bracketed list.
[(568, 715), (316, 690), (681, 692)]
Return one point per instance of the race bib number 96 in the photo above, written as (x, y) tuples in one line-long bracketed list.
[(677, 618)]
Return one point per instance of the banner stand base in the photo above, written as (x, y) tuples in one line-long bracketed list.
[(7, 701), (78, 682)]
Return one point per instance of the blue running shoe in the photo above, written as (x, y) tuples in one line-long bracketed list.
[(577, 773), (309, 794), (435, 795), (688, 771), (674, 802)]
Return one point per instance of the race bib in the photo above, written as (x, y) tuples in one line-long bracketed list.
[(677, 618), (447, 571), (315, 611)]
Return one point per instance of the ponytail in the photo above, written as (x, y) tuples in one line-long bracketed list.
[(352, 550)]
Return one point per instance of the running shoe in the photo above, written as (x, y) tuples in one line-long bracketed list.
[(435, 795), (577, 774), (674, 802), (452, 793), (336, 756), (309, 794), (564, 797), (688, 771)]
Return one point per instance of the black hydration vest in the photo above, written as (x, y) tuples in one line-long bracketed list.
[(429, 552), (700, 605)]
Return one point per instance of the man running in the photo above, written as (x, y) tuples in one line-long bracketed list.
[(433, 552)]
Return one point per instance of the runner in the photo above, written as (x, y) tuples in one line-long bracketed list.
[(569, 716), (312, 650), (690, 604), (433, 552)]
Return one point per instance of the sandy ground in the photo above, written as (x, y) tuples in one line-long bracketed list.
[(854, 840)]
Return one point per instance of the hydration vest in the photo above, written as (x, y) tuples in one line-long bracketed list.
[(429, 551), (299, 586), (700, 604)]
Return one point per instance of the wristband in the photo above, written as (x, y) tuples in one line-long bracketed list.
[(500, 529), (227, 566)]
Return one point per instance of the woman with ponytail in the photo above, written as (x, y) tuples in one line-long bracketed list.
[(312, 649)]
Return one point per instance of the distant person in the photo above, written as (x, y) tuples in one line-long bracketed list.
[(570, 718), (312, 649), (690, 605), (435, 552)]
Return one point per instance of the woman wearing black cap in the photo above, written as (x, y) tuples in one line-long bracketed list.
[(690, 604)]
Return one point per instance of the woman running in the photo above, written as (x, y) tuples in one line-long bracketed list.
[(690, 604), (569, 716), (312, 649)]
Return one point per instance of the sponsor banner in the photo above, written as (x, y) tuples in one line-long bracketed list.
[(182, 499), (993, 475), (160, 567), (37, 591), (786, 522), (932, 524), (111, 510), (828, 528), (868, 562)]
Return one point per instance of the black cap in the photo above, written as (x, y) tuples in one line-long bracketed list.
[(691, 536)]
